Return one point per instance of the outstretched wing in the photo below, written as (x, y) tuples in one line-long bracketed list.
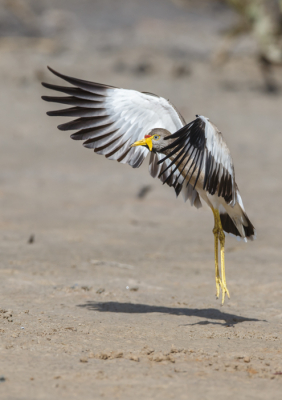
[(110, 119), (199, 146)]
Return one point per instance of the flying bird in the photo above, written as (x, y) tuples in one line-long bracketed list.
[(125, 125)]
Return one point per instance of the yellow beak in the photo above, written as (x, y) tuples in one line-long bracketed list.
[(144, 142)]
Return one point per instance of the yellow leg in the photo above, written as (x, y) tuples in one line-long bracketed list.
[(222, 259), (219, 235), (218, 281)]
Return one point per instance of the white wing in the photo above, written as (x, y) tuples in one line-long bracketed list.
[(110, 119)]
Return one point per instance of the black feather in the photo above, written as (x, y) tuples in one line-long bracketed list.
[(93, 87), (73, 101), (81, 94), (84, 123), (228, 225), (79, 112)]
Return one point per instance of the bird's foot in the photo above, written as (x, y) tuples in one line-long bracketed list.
[(224, 290), (221, 285)]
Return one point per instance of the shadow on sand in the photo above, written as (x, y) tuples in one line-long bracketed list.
[(206, 313)]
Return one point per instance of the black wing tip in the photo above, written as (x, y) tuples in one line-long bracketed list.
[(75, 81), (45, 84), (56, 113), (54, 72), (50, 99), (74, 136), (62, 76), (87, 145), (59, 75), (49, 86), (63, 127)]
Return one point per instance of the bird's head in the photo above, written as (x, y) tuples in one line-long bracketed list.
[(154, 140)]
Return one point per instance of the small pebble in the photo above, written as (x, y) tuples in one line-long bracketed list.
[(144, 190), (83, 360), (31, 239), (86, 288), (104, 356), (142, 68), (74, 286), (247, 359), (117, 354), (181, 70), (157, 358), (134, 358), (2, 378), (101, 290), (175, 350), (148, 351)]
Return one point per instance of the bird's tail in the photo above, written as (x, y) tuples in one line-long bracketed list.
[(235, 221), (247, 230)]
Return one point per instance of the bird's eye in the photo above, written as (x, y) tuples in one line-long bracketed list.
[(156, 137)]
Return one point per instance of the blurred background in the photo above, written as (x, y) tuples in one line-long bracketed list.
[(183, 31)]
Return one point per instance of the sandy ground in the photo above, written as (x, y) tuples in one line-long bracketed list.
[(108, 295)]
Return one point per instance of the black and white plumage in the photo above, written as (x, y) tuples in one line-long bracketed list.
[(110, 119), (201, 142), (200, 155), (124, 125)]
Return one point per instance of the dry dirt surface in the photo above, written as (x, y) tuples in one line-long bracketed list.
[(106, 280)]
